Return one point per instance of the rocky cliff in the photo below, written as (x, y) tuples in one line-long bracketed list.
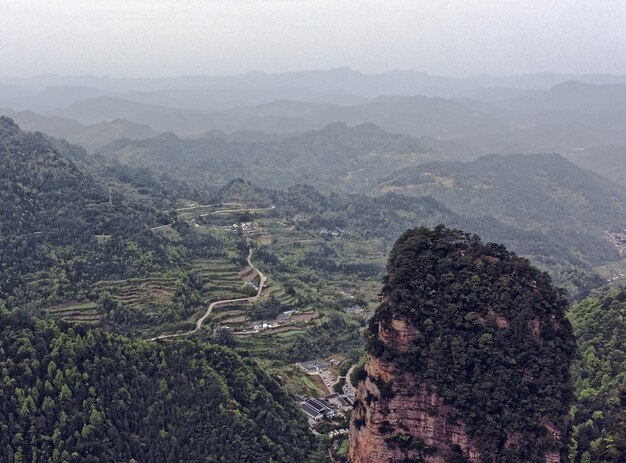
[(468, 358)]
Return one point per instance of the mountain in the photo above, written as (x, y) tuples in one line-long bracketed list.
[(468, 358), (543, 190), (608, 161), (566, 256), (77, 394), (336, 158), (414, 115), (599, 375), (68, 400), (181, 121), (537, 113), (53, 97), (323, 80), (91, 137), (536, 193), (11, 91), (574, 96), (230, 95), (53, 211)]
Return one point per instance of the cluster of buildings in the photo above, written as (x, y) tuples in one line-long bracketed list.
[(328, 406), (338, 432), (313, 367), (260, 325), (334, 233), (317, 367), (354, 310), (244, 226), (284, 318)]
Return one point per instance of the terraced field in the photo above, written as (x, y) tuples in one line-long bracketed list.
[(222, 279), (80, 312), (144, 294), (278, 291)]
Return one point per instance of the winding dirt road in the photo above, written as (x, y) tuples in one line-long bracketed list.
[(223, 302)]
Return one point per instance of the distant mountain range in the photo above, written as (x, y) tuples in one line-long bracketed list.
[(335, 158), (92, 136), (458, 119), (366, 85), (543, 190), (609, 161)]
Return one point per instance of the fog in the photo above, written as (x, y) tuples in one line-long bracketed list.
[(446, 37)]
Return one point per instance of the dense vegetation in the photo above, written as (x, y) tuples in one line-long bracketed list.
[(336, 158), (599, 373), (565, 256), (536, 195), (52, 217), (493, 339), (65, 240), (327, 338), (63, 243), (541, 190), (77, 395)]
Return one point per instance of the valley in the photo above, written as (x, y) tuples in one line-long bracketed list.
[(261, 250)]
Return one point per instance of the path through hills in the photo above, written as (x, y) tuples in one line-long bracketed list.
[(221, 303)]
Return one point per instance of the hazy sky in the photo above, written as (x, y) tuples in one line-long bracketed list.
[(174, 37)]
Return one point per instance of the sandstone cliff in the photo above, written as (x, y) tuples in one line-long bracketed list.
[(427, 393)]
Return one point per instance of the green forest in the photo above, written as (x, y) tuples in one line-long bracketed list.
[(102, 238), (492, 339), (81, 395), (599, 373)]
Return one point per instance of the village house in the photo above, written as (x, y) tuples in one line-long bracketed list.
[(260, 325), (312, 367), (317, 409), (354, 310), (311, 412), (284, 317)]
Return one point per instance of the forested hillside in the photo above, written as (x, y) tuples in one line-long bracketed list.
[(78, 395), (608, 161), (473, 340), (58, 230), (91, 136), (335, 158), (537, 193), (599, 374), (542, 190), (566, 256)]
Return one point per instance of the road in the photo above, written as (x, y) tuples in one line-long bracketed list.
[(230, 211), (220, 211), (348, 387), (262, 280)]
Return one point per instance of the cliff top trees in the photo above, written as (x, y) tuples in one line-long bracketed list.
[(492, 338)]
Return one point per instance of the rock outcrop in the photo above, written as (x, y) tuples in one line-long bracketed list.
[(445, 382), (404, 414)]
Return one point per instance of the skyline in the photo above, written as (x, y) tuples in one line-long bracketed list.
[(214, 37)]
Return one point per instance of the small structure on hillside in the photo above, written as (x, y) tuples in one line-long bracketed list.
[(312, 367), (284, 317), (311, 412), (354, 310), (261, 325), (317, 409)]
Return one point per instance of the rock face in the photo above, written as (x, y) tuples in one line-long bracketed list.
[(405, 409), (455, 377)]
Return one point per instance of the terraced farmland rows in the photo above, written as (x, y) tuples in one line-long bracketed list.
[(83, 312), (220, 303), (142, 295), (220, 279)]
